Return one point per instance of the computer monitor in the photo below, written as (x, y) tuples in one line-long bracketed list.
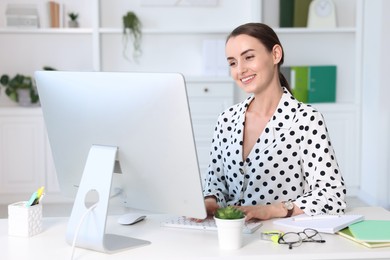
[(141, 120)]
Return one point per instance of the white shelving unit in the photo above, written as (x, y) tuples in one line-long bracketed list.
[(175, 45)]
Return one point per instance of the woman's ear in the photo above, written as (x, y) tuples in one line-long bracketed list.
[(277, 53)]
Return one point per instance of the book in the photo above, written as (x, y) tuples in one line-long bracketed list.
[(286, 13), (371, 230), (286, 71), (321, 84), (299, 82), (54, 11), (301, 12), (346, 233), (322, 223), (312, 84)]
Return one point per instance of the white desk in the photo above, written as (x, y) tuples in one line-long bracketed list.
[(171, 243)]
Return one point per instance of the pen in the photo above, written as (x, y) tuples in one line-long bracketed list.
[(315, 217), (40, 199), (40, 191), (33, 197)]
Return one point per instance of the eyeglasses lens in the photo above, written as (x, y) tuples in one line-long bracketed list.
[(291, 239)]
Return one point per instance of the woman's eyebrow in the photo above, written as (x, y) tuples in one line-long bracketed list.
[(242, 53)]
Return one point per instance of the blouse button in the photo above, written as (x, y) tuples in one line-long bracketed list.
[(242, 171)]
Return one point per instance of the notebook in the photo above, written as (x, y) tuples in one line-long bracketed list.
[(347, 234), (371, 230), (322, 223)]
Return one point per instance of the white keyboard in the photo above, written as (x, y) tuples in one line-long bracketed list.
[(207, 224)]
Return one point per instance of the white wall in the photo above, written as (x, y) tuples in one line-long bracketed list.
[(375, 180)]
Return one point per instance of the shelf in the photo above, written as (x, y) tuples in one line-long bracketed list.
[(166, 31), (169, 31), (314, 31), (46, 31)]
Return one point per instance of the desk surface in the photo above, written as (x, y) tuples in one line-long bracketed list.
[(173, 243)]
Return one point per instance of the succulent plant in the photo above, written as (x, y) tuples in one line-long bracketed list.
[(73, 16), (229, 212)]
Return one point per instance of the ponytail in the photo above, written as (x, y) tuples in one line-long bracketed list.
[(284, 82)]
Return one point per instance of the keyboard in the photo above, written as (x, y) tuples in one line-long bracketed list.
[(207, 224)]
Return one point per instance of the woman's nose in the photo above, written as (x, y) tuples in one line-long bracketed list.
[(241, 68)]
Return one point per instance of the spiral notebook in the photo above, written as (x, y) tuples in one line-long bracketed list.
[(322, 223)]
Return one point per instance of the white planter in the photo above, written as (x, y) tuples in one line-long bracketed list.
[(230, 233), (24, 98)]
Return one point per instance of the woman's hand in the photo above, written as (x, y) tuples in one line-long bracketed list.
[(211, 207), (262, 212), (265, 212)]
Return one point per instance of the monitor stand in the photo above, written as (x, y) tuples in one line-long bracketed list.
[(97, 176)]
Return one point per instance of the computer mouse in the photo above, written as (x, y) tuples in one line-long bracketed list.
[(130, 218)]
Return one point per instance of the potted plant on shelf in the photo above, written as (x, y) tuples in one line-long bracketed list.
[(73, 23), (20, 89), (132, 31), (230, 222)]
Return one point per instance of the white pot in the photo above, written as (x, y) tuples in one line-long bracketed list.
[(24, 98), (230, 233)]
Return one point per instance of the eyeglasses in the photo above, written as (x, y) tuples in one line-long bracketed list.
[(294, 239)]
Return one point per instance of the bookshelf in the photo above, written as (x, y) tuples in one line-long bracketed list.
[(175, 44), (340, 46)]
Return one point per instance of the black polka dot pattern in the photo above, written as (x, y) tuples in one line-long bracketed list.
[(293, 159)]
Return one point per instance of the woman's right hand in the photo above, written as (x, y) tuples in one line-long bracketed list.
[(211, 205)]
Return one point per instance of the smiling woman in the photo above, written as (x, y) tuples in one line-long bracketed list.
[(271, 155)]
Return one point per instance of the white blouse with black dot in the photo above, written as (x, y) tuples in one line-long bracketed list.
[(293, 159)]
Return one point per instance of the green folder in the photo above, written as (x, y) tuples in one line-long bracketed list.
[(347, 234), (299, 82), (286, 13), (371, 230), (322, 84), (301, 10)]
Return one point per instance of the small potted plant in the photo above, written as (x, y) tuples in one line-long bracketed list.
[(230, 222), (20, 89), (73, 23), (132, 32)]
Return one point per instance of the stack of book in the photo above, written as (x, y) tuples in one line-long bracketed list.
[(370, 233), (293, 13), (312, 84)]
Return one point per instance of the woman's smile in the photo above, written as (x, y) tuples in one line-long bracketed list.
[(248, 79)]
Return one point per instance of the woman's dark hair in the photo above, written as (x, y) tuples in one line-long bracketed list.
[(267, 36)]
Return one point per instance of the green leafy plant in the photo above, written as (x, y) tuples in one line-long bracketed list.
[(19, 82), (229, 212), (132, 31), (73, 23), (73, 16)]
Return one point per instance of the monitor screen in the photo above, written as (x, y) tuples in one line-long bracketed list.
[(145, 117)]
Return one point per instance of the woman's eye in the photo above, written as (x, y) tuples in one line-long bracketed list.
[(249, 57), (231, 64)]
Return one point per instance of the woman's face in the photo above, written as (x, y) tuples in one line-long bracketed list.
[(252, 66)]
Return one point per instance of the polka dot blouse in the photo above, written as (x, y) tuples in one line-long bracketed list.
[(293, 159)]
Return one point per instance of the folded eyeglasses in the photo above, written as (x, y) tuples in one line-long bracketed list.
[(293, 239)]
